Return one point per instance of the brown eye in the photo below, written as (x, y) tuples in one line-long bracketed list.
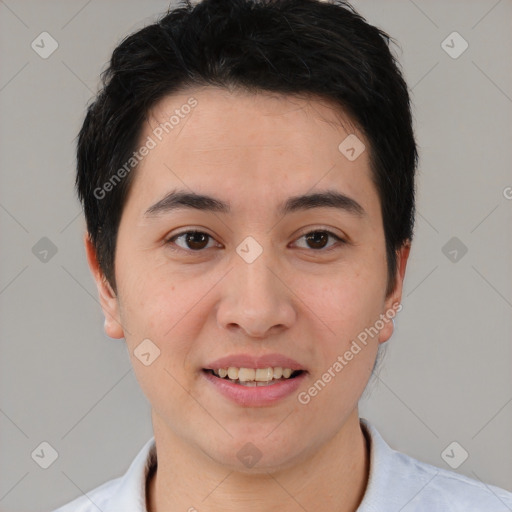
[(191, 240), (318, 240), (196, 240)]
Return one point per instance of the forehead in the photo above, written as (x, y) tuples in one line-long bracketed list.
[(216, 111), (211, 139)]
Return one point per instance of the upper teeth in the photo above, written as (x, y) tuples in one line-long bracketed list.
[(254, 374)]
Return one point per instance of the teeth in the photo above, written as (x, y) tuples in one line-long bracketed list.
[(233, 373), (263, 374), (287, 372), (246, 374), (254, 376)]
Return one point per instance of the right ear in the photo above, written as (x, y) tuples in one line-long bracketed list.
[(108, 298)]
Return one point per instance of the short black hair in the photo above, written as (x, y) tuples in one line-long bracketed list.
[(292, 47)]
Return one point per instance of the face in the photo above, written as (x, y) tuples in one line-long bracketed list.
[(265, 277)]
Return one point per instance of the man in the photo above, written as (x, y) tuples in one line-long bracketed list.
[(247, 175)]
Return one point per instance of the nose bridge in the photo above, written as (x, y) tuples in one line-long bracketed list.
[(254, 299)]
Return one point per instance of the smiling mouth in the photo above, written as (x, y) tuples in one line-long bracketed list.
[(252, 377)]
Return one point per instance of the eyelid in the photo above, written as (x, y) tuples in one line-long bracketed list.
[(169, 240), (340, 240), (322, 229)]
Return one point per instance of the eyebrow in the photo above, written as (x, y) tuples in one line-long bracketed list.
[(181, 199)]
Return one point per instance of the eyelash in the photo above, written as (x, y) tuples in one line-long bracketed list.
[(170, 240)]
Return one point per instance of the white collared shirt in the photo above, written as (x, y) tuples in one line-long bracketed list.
[(397, 483)]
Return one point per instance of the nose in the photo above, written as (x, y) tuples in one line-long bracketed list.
[(256, 299)]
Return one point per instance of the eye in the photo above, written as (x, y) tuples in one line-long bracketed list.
[(317, 240), (196, 241), (190, 240)]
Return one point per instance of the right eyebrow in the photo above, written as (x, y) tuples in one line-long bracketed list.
[(177, 199)]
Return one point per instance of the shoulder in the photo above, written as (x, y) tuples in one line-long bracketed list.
[(398, 481), (440, 489), (122, 494), (94, 500)]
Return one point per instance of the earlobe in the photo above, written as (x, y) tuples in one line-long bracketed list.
[(108, 299), (395, 298)]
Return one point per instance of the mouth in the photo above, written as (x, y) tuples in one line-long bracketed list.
[(255, 380), (254, 377)]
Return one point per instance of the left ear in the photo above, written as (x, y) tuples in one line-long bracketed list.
[(395, 297)]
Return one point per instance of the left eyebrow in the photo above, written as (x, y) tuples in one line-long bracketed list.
[(178, 199), (327, 199)]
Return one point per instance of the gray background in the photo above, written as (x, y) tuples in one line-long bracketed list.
[(447, 375)]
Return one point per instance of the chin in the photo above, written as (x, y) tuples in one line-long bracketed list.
[(256, 455)]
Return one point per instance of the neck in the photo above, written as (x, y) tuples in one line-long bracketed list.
[(335, 475)]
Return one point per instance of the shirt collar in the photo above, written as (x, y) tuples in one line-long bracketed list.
[(395, 479), (130, 495)]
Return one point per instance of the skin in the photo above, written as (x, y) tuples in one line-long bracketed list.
[(253, 151)]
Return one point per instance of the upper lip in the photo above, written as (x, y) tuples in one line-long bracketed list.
[(249, 361)]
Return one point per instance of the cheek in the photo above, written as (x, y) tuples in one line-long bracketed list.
[(166, 313), (345, 300), (343, 309), (157, 306)]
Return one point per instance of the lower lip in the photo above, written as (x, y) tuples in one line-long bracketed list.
[(257, 396)]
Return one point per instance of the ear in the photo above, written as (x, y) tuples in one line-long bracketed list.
[(108, 298), (395, 296)]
